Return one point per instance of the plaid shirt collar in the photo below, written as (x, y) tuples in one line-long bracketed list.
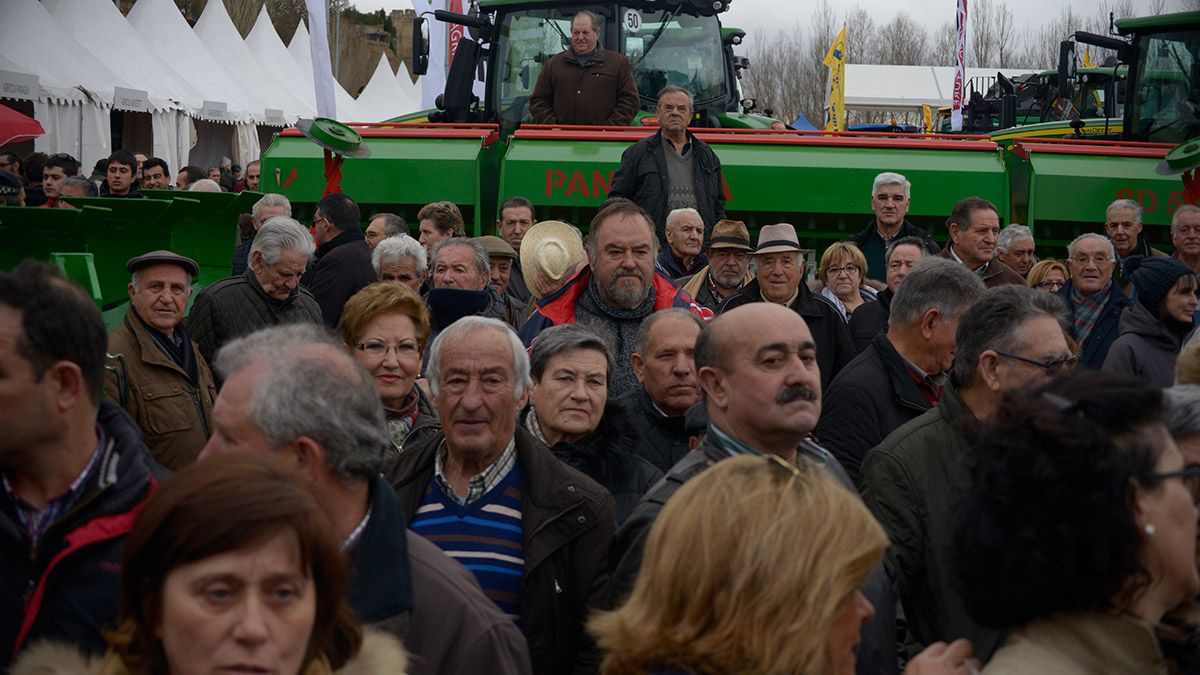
[(728, 444), (480, 483), (37, 521)]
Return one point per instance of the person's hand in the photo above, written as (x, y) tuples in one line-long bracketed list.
[(940, 658)]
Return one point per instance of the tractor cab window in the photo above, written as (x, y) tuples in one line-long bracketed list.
[(1166, 100), (681, 50), (527, 40)]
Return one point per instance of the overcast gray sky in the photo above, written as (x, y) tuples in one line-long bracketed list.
[(760, 16)]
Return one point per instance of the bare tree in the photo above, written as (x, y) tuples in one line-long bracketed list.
[(775, 78), (862, 37), (981, 35), (942, 45), (902, 41), (1005, 32)]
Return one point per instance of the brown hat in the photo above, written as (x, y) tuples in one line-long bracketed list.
[(551, 248), (777, 238), (162, 258), (497, 246), (730, 234)]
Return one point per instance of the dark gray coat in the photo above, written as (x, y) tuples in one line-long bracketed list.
[(238, 306), (1146, 348)]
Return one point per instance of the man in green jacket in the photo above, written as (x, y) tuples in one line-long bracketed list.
[(912, 481)]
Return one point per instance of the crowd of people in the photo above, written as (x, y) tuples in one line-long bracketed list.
[(656, 448)]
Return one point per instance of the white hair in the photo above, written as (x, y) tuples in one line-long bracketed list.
[(270, 200), (473, 324), (1125, 204), (204, 185), (674, 216), (889, 178), (278, 234), (1010, 234), (1112, 252), (396, 248)]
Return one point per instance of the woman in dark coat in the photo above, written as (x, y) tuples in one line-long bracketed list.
[(569, 411), (1153, 329)]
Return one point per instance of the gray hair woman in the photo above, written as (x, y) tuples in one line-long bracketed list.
[(569, 410)]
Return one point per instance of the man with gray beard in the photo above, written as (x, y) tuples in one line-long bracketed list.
[(616, 290), (728, 269)]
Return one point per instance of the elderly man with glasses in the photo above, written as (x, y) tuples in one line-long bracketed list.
[(1094, 299)]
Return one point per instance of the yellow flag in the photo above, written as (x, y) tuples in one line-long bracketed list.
[(1087, 59), (835, 60), (927, 114)]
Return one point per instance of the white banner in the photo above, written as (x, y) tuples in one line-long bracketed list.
[(19, 85), (433, 82), (318, 28), (960, 67)]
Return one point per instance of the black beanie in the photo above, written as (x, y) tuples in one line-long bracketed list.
[(1154, 277)]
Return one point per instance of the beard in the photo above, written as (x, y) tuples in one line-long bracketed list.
[(623, 297), (729, 281)]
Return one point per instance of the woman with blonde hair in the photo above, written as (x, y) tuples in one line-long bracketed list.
[(1048, 275), (843, 269), (386, 327), (754, 566)]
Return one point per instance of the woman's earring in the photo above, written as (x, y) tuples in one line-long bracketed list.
[(1149, 530)]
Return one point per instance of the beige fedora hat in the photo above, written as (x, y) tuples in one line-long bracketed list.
[(777, 238), (551, 248)]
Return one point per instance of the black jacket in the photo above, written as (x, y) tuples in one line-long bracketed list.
[(241, 254), (341, 268), (1095, 348), (829, 331), (642, 178), (869, 399), (67, 587), (605, 456), (873, 246), (658, 439), (568, 522), (1147, 347), (871, 319), (876, 652), (238, 306)]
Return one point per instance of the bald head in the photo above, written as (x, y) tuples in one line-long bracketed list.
[(728, 333)]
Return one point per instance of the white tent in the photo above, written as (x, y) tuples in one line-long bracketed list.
[(383, 98), (216, 30), (165, 32), (266, 46), (410, 89), (299, 49), (76, 90), (907, 88), (97, 25)]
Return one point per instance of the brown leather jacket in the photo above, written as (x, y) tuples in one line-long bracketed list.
[(174, 413), (602, 92)]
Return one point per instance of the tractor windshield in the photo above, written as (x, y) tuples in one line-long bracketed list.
[(686, 51), (683, 50), (1166, 101)]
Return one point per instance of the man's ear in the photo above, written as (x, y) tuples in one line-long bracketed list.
[(639, 367), (929, 321), (955, 232), (714, 383), (989, 369), (306, 457), (68, 386)]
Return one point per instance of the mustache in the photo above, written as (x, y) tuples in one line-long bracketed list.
[(629, 273), (793, 393)]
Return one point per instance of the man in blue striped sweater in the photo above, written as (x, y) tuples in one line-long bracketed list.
[(534, 531)]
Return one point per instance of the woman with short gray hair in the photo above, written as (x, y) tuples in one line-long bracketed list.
[(570, 411)]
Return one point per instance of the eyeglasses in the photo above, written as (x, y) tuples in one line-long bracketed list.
[(850, 269), (1099, 259), (1190, 474), (379, 349), (1051, 367), (318, 219), (1054, 284)]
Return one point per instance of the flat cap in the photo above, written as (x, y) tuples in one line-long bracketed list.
[(162, 258), (497, 246)]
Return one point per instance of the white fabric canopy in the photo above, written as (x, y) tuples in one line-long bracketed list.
[(907, 88), (299, 49), (264, 43), (382, 98), (411, 91), (97, 25), (165, 33), (216, 30), (81, 130)]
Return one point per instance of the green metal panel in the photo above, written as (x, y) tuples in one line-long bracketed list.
[(82, 268), (204, 227), (1065, 195), (1178, 19), (402, 175), (824, 189)]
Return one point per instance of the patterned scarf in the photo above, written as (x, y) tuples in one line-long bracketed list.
[(400, 422), (1087, 311)]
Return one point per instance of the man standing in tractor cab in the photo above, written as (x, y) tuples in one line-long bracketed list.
[(586, 84), (672, 169)]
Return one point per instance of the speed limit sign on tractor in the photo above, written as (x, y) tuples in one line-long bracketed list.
[(633, 20)]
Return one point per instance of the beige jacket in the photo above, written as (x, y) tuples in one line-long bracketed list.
[(380, 654), (1089, 644)]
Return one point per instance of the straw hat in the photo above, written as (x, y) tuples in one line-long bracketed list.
[(551, 248)]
